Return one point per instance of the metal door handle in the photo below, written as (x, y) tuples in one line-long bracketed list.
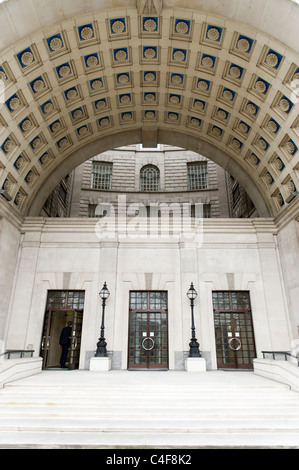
[(45, 342), (148, 339), (238, 341)]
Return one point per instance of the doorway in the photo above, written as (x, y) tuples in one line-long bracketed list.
[(62, 307), (234, 335), (148, 330)]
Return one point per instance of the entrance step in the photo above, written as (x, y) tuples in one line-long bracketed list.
[(83, 409)]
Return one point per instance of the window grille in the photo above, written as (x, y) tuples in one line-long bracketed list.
[(231, 300), (101, 177), (149, 178), (65, 299), (198, 175)]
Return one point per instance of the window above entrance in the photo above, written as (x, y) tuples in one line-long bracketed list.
[(66, 300)]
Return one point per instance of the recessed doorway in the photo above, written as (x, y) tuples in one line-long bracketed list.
[(63, 308), (234, 335), (148, 330)]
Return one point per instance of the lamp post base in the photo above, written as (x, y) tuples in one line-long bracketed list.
[(195, 364), (100, 364), (194, 348), (101, 348)]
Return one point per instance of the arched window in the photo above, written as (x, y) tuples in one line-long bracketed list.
[(149, 178)]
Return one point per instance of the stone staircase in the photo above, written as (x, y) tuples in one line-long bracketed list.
[(121, 409)]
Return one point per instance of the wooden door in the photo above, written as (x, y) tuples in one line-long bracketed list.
[(74, 354), (234, 335), (148, 330)]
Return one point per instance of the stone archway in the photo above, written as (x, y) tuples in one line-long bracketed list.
[(88, 78)]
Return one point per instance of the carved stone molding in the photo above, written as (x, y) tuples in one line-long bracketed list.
[(149, 7)]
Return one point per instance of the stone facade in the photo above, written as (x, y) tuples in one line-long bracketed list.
[(80, 254), (172, 164)]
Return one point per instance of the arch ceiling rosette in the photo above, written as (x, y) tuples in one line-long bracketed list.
[(94, 81)]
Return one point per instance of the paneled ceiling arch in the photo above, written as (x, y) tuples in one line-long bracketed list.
[(92, 77)]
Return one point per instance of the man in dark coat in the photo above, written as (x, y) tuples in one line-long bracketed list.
[(64, 342)]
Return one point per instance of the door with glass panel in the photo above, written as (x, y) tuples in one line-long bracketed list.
[(148, 330), (63, 308), (234, 335)]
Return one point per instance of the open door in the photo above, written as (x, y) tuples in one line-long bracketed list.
[(57, 316), (74, 353)]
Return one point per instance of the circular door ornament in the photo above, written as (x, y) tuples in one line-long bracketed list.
[(148, 343), (236, 345)]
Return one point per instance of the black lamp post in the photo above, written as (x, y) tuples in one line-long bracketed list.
[(101, 345), (194, 345)]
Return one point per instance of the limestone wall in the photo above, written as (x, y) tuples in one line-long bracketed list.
[(9, 247), (82, 253)]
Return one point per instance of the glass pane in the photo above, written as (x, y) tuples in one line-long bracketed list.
[(221, 300), (158, 300), (138, 300), (75, 300), (56, 299), (240, 300)]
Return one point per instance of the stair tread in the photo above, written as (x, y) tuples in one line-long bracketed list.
[(147, 409)]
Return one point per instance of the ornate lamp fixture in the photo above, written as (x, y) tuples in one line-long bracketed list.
[(194, 345), (101, 345)]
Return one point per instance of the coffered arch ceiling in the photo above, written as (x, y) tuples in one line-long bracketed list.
[(93, 81)]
